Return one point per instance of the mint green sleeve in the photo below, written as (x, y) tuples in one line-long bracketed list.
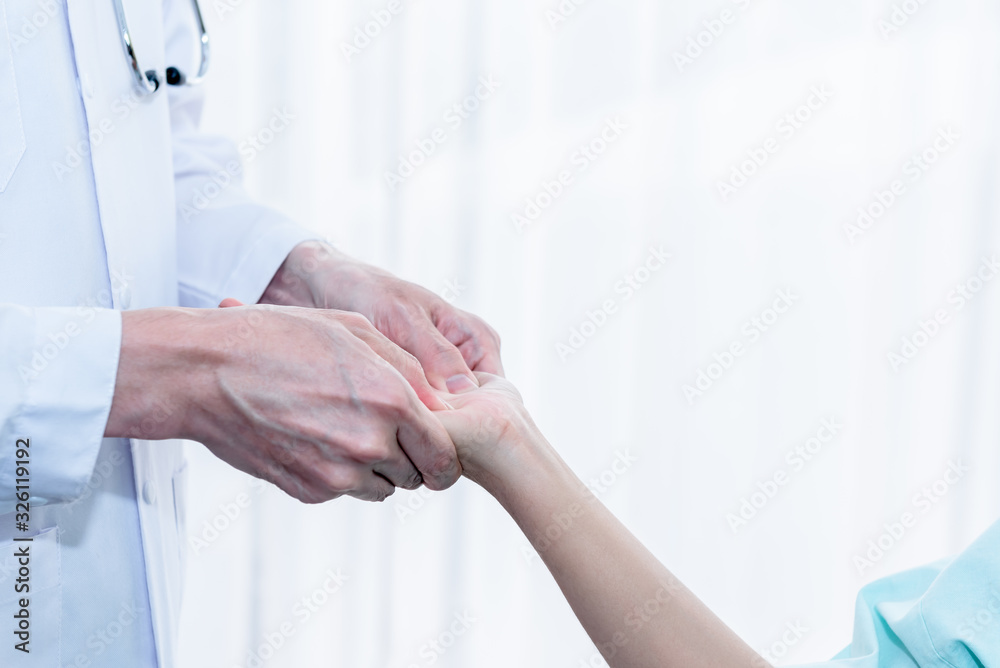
[(944, 615)]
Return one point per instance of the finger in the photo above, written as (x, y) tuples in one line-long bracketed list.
[(418, 433), (489, 378), (374, 488), (229, 302), (332, 479), (488, 382), (307, 489), (443, 396), (424, 440), (398, 469), (403, 362), (376, 449), (477, 342), (442, 362), (481, 359)]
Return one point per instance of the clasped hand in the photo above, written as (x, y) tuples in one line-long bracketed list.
[(348, 396)]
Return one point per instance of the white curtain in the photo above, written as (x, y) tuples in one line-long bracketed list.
[(445, 579)]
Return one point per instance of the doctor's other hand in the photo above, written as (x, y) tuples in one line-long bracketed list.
[(449, 343), (315, 401), (495, 437)]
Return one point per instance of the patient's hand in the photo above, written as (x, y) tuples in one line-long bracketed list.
[(492, 431)]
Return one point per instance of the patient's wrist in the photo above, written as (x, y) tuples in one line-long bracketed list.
[(536, 485), (521, 465)]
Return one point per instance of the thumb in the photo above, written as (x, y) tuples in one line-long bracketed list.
[(442, 362)]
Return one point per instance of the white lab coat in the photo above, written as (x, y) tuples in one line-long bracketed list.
[(92, 178)]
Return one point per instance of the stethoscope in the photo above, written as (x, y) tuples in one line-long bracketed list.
[(148, 82)]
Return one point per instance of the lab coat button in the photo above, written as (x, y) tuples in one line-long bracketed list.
[(86, 86), (125, 297), (149, 492)]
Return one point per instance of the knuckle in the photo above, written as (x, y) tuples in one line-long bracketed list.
[(338, 479), (302, 493), (411, 366), (370, 451), (372, 369), (445, 348), (269, 473), (312, 499), (442, 465), (284, 455), (488, 332), (393, 401), (414, 481), (355, 321), (394, 308)]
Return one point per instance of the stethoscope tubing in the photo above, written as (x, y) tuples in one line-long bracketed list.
[(147, 82)]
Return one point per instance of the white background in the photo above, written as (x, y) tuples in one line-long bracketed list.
[(450, 222)]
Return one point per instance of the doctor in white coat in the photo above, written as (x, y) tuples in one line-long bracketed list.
[(115, 249)]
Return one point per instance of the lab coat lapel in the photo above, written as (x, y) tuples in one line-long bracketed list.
[(131, 156)]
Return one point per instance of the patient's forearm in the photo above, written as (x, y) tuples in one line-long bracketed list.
[(634, 610)]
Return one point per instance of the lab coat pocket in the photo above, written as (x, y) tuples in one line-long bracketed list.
[(12, 142), (31, 601)]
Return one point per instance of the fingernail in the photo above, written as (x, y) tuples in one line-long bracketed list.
[(460, 383)]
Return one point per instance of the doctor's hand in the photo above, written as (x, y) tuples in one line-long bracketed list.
[(449, 343), (317, 402)]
